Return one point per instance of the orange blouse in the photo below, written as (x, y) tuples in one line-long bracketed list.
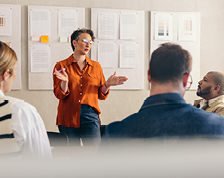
[(84, 87)]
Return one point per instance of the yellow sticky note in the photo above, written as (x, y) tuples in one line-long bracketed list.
[(63, 39), (35, 38), (44, 38)]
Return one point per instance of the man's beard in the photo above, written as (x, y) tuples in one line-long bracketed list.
[(205, 91)]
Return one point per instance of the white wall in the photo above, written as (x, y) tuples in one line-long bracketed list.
[(123, 103)]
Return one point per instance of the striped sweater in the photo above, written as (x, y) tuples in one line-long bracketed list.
[(8, 144)]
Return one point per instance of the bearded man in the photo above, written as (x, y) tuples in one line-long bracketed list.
[(211, 89)]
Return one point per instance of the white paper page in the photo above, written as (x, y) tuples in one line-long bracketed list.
[(163, 26), (108, 54), (41, 58), (107, 25), (128, 55), (40, 22), (129, 25), (67, 22), (5, 21), (187, 27)]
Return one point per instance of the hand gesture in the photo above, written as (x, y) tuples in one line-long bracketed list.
[(62, 75), (115, 80)]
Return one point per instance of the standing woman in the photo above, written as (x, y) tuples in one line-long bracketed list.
[(78, 84)]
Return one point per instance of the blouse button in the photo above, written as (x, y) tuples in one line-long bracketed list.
[(81, 85), (81, 76), (79, 101), (80, 93)]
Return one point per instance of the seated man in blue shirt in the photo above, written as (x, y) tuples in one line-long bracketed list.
[(165, 113)]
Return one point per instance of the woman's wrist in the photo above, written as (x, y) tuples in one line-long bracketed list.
[(106, 85), (64, 86)]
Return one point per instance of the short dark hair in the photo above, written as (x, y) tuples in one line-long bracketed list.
[(169, 62), (76, 33)]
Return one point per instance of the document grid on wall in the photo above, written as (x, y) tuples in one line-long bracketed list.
[(10, 33), (49, 30), (182, 28), (119, 45)]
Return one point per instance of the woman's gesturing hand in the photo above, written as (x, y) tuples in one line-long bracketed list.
[(114, 80), (62, 75)]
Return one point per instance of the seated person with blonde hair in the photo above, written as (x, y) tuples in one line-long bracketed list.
[(22, 131)]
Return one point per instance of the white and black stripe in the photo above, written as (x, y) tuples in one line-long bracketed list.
[(8, 144), (7, 116)]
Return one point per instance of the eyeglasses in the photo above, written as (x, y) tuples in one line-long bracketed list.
[(189, 82), (88, 42)]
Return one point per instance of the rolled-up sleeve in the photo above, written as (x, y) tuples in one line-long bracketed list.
[(101, 95)]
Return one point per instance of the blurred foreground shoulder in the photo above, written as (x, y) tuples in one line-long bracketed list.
[(30, 131)]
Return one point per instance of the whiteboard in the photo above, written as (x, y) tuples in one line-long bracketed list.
[(135, 75), (59, 50), (15, 40), (193, 46)]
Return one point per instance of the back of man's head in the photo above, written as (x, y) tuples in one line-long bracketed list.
[(218, 79), (169, 62)]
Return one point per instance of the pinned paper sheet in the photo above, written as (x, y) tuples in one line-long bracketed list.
[(107, 25), (44, 39), (40, 58), (6, 21), (163, 26), (67, 21), (187, 27), (108, 54), (35, 38), (63, 39), (40, 21)]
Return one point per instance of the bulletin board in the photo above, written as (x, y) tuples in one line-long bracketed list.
[(13, 36), (182, 28), (120, 42), (56, 47)]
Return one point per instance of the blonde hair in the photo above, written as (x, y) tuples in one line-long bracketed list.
[(8, 58)]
